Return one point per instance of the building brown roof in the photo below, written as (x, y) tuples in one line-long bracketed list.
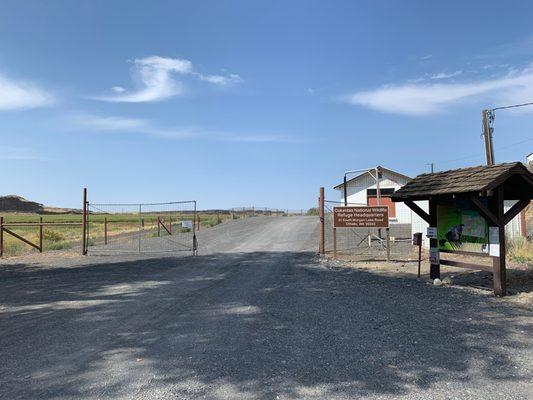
[(470, 180)]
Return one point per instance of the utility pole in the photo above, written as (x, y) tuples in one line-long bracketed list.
[(431, 165), (488, 117)]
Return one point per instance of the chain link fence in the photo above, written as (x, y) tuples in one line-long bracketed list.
[(142, 228), (366, 244)]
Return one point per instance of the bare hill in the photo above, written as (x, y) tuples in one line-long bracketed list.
[(17, 204)]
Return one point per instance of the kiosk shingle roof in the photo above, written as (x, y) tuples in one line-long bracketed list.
[(463, 180)]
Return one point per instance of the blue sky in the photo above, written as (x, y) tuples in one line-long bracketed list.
[(252, 103)]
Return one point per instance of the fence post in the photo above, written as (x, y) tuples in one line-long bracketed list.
[(322, 244), (140, 226), (84, 224), (170, 223), (388, 244), (1, 236), (194, 240), (335, 243), (40, 234), (105, 230), (158, 226)]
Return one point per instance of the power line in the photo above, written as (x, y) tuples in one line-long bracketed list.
[(512, 106), (472, 156)]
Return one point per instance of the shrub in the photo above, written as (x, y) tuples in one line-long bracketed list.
[(313, 211), (52, 236), (520, 249)]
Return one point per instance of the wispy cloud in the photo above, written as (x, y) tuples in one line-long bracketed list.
[(220, 79), (156, 80), (424, 98), (100, 124), (444, 75), (97, 124), (18, 153), (21, 95)]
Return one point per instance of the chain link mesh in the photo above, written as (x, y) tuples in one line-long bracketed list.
[(366, 243), (144, 228)]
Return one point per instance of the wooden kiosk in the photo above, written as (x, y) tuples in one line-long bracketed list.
[(466, 213)]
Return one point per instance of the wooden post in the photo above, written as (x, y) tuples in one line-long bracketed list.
[(105, 230), (434, 269), (335, 243), (419, 254), (170, 224), (498, 263), (322, 244), (387, 232), (84, 224), (1, 236), (40, 234), (158, 227)]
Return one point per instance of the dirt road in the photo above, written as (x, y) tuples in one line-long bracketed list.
[(254, 316)]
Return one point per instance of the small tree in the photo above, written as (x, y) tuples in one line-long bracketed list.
[(312, 211)]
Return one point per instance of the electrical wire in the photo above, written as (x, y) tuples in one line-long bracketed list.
[(512, 106), (480, 155)]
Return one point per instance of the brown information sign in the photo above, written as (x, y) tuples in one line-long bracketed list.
[(361, 217)]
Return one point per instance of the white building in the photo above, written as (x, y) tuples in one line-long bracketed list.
[(362, 190)]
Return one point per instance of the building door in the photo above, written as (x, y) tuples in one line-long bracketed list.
[(385, 201)]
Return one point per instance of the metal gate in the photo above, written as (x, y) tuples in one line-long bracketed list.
[(142, 228)]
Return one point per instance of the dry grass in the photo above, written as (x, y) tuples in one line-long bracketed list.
[(520, 250)]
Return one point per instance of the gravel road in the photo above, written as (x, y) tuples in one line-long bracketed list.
[(255, 316)]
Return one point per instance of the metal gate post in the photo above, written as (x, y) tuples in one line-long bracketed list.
[(1, 236), (40, 234), (84, 224), (388, 244), (322, 244), (194, 241), (140, 226), (335, 243)]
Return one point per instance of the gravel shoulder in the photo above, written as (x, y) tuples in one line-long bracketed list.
[(255, 316)]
